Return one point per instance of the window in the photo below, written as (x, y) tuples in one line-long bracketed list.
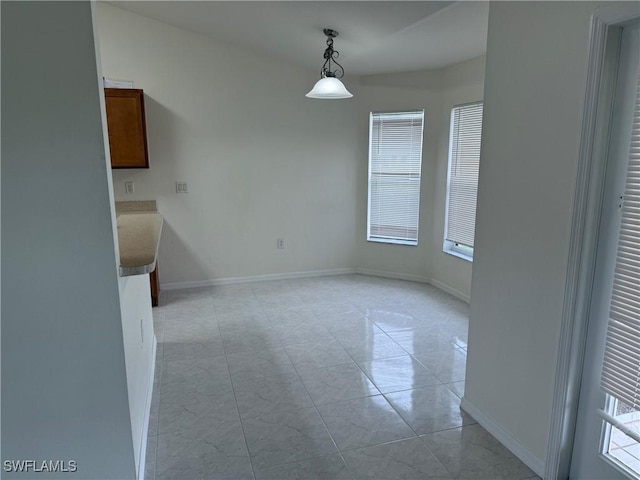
[(395, 162), (462, 183), (621, 366)]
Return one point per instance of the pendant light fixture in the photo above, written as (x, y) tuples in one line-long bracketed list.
[(329, 86)]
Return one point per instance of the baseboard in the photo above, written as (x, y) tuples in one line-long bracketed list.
[(504, 437), (317, 273), (450, 290), (142, 456), (398, 276), (256, 278)]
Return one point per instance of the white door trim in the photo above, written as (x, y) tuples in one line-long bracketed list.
[(583, 242)]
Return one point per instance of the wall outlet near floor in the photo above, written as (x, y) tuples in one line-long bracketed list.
[(129, 188), (280, 243), (181, 187)]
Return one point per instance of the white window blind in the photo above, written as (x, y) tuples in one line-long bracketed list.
[(464, 162), (621, 368), (395, 163)]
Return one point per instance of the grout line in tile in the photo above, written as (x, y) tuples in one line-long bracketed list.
[(388, 442), (436, 457), (346, 465), (398, 412), (347, 450), (379, 443), (373, 383), (315, 406), (235, 398), (311, 457)]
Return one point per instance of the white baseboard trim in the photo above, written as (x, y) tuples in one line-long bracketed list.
[(317, 273), (504, 437), (256, 278), (415, 278), (142, 456), (450, 290), (398, 276)]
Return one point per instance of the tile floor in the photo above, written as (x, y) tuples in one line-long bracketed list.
[(344, 377)]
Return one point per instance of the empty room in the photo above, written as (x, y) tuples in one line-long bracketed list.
[(320, 240)]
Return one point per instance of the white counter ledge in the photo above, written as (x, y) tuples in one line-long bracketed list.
[(138, 238)]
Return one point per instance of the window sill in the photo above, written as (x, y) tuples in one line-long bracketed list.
[(393, 241), (463, 256)]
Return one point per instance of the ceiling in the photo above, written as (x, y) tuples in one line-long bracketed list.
[(375, 36)]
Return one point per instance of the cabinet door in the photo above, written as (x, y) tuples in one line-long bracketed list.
[(127, 128)]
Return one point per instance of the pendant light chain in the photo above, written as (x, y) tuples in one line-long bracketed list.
[(331, 55)]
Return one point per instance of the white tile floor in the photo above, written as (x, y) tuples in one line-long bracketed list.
[(344, 377)]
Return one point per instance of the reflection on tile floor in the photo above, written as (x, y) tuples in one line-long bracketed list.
[(344, 377)]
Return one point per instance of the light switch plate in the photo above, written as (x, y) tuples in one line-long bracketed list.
[(181, 187), (129, 188)]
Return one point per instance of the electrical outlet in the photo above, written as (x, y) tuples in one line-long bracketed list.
[(181, 187), (280, 243), (129, 188)]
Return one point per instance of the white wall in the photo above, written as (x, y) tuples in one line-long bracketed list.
[(64, 390), (534, 92), (435, 91), (462, 83), (139, 349), (380, 93), (261, 160)]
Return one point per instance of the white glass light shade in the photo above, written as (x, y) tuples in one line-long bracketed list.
[(330, 88)]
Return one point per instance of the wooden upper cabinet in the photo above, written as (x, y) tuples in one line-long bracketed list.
[(127, 128)]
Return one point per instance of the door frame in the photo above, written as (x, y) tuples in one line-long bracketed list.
[(600, 87)]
